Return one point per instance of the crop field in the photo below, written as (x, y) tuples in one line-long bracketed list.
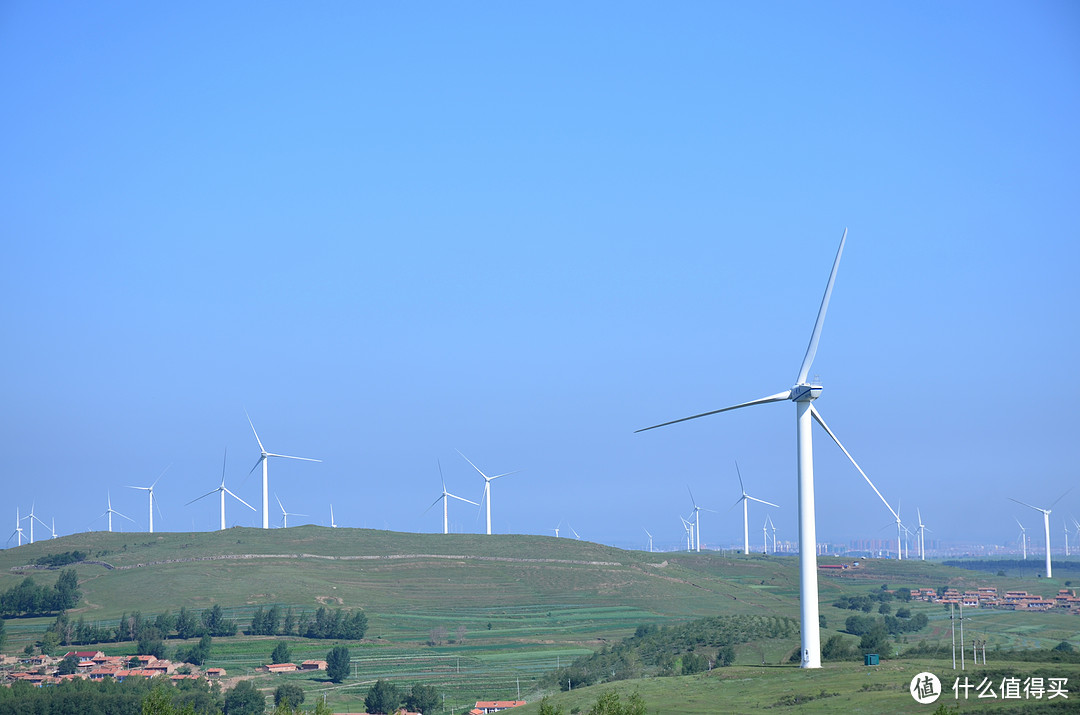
[(483, 617)]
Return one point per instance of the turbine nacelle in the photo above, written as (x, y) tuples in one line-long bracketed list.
[(805, 393)]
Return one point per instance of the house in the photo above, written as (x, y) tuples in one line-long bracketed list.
[(313, 665), (212, 673), (493, 706), (279, 668), (84, 656)]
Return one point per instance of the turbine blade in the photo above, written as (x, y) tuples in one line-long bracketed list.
[(261, 449), (286, 456), (821, 421), (1027, 505), (778, 397), (504, 474), (762, 501), (240, 500), (455, 496), (742, 487), (425, 511), (470, 462), (213, 491), (256, 465), (811, 349), (1059, 499)]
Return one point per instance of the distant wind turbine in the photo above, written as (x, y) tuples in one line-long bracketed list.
[(31, 517), (803, 394), (773, 525), (445, 497), (222, 490), (285, 514), (689, 527), (576, 535), (765, 534), (696, 517), (486, 499), (150, 491), (264, 458), (18, 528), (1023, 538), (922, 536), (650, 540), (1046, 524), (745, 517), (110, 511), (332, 524)]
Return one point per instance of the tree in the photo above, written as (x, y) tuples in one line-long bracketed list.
[(288, 627), (547, 708), (609, 704), (383, 697), (289, 694), (337, 663), (68, 666), (244, 699), (281, 654), (186, 624), (726, 656), (876, 640), (837, 648), (197, 654), (422, 699)]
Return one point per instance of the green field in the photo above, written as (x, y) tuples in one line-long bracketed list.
[(507, 609)]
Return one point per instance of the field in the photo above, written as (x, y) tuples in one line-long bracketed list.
[(484, 617)]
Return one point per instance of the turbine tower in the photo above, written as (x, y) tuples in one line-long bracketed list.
[(223, 490), (803, 394), (31, 517), (772, 524), (18, 528), (264, 458), (150, 491), (745, 516), (765, 535), (650, 540), (1046, 524), (445, 497), (922, 537), (332, 524), (487, 487)]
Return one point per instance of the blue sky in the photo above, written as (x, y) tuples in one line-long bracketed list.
[(524, 231)]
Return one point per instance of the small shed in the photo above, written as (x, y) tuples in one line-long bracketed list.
[(871, 659)]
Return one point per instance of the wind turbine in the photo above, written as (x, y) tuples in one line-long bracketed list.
[(1046, 524), (487, 487), (1023, 538), (576, 535), (556, 530), (773, 525), (696, 516), (922, 537), (650, 540), (332, 524), (31, 517), (18, 528), (446, 496), (745, 517), (222, 490), (689, 527), (1065, 524), (110, 511), (803, 394), (285, 514), (765, 534), (150, 491), (264, 458), (54, 527)]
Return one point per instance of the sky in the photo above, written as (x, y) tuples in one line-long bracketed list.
[(389, 232)]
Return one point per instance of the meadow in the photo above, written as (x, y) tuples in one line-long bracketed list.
[(485, 617)]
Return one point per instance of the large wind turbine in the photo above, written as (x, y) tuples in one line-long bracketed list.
[(264, 458), (223, 490), (31, 517), (446, 496), (745, 522), (803, 394), (150, 491), (487, 487), (18, 528), (650, 540), (1046, 524), (922, 537), (773, 525)]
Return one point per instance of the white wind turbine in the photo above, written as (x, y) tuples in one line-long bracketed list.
[(556, 529), (264, 458), (32, 517), (745, 517), (576, 535), (222, 490), (332, 524), (696, 517), (150, 491), (285, 514), (922, 537), (1065, 524), (650, 540), (1046, 524), (18, 528), (110, 511), (773, 525), (54, 527), (486, 499), (689, 527), (765, 534), (803, 394), (1023, 538), (446, 496)]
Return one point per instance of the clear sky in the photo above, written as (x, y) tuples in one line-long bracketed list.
[(524, 230)]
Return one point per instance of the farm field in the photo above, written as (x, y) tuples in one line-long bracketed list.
[(485, 617)]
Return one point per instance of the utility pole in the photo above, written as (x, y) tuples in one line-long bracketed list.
[(961, 635), (952, 630)]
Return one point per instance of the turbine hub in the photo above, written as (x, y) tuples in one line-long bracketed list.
[(805, 393)]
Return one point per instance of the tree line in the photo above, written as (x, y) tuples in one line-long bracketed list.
[(672, 650), (30, 599), (325, 624), (149, 632)]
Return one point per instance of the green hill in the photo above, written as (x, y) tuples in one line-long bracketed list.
[(480, 617)]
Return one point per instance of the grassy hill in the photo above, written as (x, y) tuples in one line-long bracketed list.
[(509, 608)]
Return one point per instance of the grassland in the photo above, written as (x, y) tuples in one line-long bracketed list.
[(508, 608)]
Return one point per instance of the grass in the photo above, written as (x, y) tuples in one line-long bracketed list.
[(515, 607)]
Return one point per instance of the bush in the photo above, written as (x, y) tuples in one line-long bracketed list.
[(289, 694), (337, 663), (383, 697)]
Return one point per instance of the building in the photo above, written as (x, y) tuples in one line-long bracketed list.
[(493, 706)]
